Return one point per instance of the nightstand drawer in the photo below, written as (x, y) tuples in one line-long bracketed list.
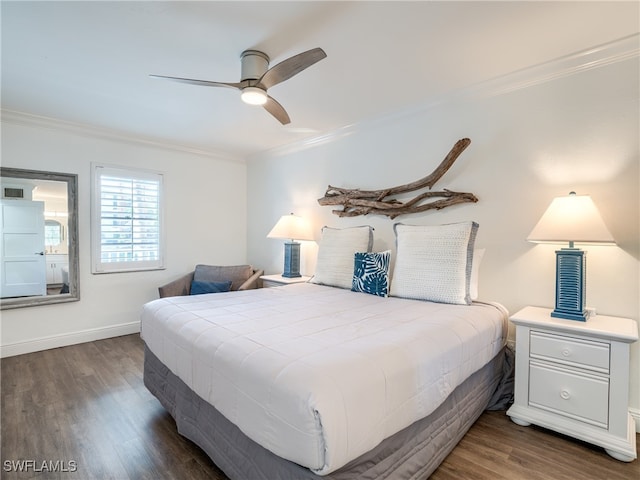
[(581, 397), (570, 350)]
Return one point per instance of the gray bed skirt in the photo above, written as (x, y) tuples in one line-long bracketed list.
[(412, 453)]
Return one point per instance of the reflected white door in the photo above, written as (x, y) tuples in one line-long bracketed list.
[(23, 262)]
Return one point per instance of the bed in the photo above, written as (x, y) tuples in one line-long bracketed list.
[(314, 380)]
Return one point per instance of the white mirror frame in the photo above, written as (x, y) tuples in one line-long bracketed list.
[(72, 231)]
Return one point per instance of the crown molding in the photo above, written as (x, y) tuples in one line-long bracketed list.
[(38, 121), (610, 53), (619, 50)]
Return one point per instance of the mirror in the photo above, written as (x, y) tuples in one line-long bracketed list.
[(39, 238)]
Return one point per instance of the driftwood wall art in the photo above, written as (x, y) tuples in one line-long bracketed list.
[(364, 202)]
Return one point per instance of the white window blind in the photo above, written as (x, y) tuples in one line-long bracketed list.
[(126, 220)]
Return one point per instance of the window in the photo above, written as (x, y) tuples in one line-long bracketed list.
[(126, 219), (52, 233)]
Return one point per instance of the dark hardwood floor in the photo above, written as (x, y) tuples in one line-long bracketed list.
[(84, 411)]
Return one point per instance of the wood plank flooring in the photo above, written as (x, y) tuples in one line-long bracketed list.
[(86, 408)]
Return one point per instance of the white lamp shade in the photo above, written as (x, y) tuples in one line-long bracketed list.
[(292, 227), (572, 218)]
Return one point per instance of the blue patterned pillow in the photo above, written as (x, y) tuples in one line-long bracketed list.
[(200, 288), (371, 273)]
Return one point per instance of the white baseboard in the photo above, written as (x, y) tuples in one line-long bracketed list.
[(635, 414), (55, 341)]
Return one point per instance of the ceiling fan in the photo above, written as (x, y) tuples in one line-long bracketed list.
[(256, 78)]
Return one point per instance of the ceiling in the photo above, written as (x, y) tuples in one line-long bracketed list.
[(88, 63)]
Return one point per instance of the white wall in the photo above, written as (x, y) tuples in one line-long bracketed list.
[(576, 132), (205, 223)]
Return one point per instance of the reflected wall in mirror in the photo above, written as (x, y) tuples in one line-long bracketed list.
[(39, 238)]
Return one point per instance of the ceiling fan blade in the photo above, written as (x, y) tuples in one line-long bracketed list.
[(277, 110), (291, 66), (204, 83)]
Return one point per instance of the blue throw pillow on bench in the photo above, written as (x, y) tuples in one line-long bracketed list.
[(199, 288)]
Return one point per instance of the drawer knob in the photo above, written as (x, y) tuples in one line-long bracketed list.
[(566, 352), (565, 395)]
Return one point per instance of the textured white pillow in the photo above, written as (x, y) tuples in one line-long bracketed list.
[(434, 262), (335, 254)]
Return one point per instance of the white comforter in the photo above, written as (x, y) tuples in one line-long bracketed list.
[(320, 375)]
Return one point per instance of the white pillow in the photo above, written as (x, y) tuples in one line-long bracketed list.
[(434, 262), (335, 254), (478, 254)]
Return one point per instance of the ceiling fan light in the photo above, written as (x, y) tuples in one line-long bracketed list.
[(253, 96)]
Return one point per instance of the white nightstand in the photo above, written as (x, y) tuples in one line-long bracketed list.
[(573, 377), (278, 280)]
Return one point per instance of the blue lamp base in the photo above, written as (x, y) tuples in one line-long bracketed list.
[(571, 267), (291, 260)]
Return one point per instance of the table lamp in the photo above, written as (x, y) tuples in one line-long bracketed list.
[(292, 228), (574, 219)]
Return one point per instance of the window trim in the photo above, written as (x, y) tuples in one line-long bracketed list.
[(99, 267)]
